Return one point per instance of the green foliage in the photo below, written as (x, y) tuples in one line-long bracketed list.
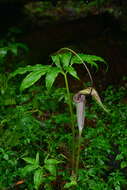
[(90, 59), (39, 172), (13, 48), (51, 76), (35, 134), (31, 79), (72, 183), (103, 153), (63, 62), (11, 53)]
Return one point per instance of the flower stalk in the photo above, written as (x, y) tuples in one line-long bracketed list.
[(72, 121), (79, 99)]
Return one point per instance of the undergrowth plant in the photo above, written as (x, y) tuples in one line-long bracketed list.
[(63, 62)]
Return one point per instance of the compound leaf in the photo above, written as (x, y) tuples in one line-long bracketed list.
[(91, 59)]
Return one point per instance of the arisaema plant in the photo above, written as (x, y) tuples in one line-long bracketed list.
[(62, 62)]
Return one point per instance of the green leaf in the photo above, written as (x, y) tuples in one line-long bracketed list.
[(9, 101), (56, 60), (51, 168), (91, 59), (21, 70), (117, 187), (38, 177), (31, 78), (29, 68), (37, 158), (72, 72), (50, 165), (14, 49), (70, 184), (29, 160), (5, 156), (123, 164), (3, 52), (51, 76), (21, 45), (65, 59), (28, 169), (119, 157), (48, 187), (15, 46), (52, 162)]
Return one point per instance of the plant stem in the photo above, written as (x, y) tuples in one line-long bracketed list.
[(78, 154), (72, 121)]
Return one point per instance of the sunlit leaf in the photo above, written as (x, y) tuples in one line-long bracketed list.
[(51, 168), (31, 78), (38, 178), (29, 160), (51, 76), (119, 157), (123, 164), (52, 161), (70, 184)]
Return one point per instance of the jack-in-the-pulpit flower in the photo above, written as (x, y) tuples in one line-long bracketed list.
[(79, 99)]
